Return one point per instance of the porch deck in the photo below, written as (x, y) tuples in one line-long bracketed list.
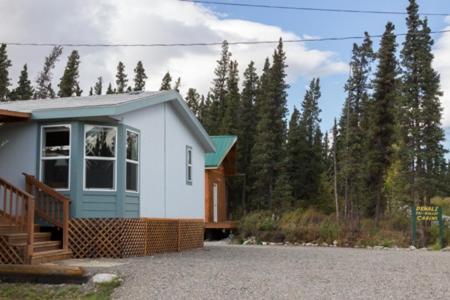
[(222, 225)]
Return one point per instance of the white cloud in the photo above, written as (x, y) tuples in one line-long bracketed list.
[(135, 21), (442, 65)]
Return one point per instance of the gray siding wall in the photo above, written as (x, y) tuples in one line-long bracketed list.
[(163, 188), (20, 151)]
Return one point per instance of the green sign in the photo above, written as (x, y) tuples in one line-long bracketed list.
[(427, 214)]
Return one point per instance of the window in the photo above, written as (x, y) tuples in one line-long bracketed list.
[(100, 157), (55, 156), (188, 165), (132, 180)]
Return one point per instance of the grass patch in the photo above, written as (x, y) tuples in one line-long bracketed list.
[(28, 291)]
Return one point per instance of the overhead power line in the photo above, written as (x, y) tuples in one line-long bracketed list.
[(305, 40), (335, 10)]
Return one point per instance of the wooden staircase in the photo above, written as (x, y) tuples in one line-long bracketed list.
[(19, 233)]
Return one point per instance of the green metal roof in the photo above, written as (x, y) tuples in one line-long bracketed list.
[(223, 145)]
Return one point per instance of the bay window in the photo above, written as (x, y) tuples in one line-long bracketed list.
[(55, 156), (132, 162), (100, 157)]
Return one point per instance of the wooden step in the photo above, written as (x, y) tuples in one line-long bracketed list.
[(47, 256), (42, 246), (9, 228), (15, 238)]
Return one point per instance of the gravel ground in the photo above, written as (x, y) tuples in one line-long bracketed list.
[(222, 271)]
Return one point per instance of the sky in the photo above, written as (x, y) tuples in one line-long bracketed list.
[(172, 21)]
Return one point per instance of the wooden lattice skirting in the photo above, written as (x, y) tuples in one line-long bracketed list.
[(117, 238)]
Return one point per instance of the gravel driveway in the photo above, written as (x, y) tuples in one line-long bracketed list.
[(222, 271)]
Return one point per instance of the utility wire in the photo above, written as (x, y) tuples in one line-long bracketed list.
[(154, 45), (335, 10)]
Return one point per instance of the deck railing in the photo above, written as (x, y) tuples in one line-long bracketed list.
[(17, 208), (51, 206)]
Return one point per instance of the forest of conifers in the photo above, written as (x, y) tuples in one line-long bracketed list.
[(384, 152)]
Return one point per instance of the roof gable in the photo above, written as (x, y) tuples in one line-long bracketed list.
[(223, 145), (108, 105)]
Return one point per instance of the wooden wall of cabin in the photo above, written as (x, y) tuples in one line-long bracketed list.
[(215, 176)]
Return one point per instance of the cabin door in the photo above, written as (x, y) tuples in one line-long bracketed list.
[(215, 202)]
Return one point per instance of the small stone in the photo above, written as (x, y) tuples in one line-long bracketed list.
[(104, 278), (378, 248), (446, 249), (335, 243), (324, 245), (412, 247), (369, 248), (423, 249), (309, 244), (265, 243)]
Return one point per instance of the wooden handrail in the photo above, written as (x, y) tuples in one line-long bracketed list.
[(18, 208), (45, 188), (53, 207)]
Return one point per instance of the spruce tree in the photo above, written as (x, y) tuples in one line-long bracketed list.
[(110, 89), (69, 85), (193, 101), (5, 63), (295, 144), (166, 83), (219, 88), (352, 133), (24, 90), (230, 118), (44, 80), (121, 78), (246, 124), (381, 116), (91, 91), (139, 77), (98, 87), (420, 110)]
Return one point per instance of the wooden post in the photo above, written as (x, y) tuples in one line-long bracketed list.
[(66, 225), (30, 227)]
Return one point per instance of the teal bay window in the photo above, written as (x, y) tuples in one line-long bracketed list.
[(100, 157), (132, 161), (55, 156)]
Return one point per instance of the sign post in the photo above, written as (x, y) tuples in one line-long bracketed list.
[(424, 214)]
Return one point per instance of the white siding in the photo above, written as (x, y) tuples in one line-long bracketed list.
[(19, 153), (163, 189)]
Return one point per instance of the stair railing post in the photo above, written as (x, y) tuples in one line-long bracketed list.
[(30, 227), (66, 225)]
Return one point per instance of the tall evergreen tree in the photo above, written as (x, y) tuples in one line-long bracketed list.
[(193, 101), (421, 110), (246, 131), (230, 118), (98, 87), (91, 91), (219, 89), (24, 90), (69, 85), (381, 116), (121, 78), (110, 89), (262, 166), (5, 63), (44, 80), (139, 77), (352, 133), (166, 83)]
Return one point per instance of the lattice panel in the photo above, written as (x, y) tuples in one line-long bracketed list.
[(9, 254), (93, 238), (116, 238), (162, 235), (134, 236), (191, 234)]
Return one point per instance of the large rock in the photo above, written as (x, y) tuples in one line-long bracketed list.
[(412, 247), (104, 278), (446, 249)]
